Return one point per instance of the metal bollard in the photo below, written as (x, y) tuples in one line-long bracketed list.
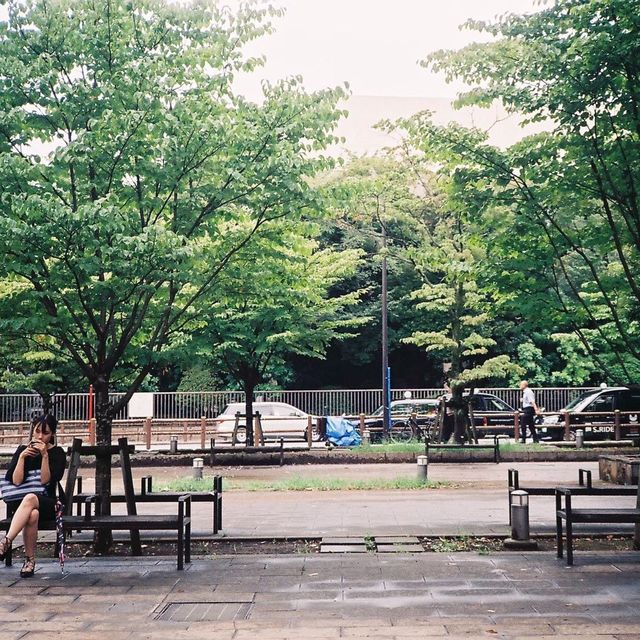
[(423, 464), (579, 438), (366, 437), (520, 515), (173, 444), (198, 465), (520, 522)]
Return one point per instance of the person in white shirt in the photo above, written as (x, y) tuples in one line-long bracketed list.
[(529, 411)]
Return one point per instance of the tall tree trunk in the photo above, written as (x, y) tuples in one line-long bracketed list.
[(249, 386), (460, 413), (103, 540)]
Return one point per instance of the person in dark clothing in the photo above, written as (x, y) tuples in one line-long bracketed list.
[(448, 421), (43, 454), (529, 411)]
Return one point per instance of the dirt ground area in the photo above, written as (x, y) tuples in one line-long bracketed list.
[(444, 544)]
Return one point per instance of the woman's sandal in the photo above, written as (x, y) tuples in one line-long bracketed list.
[(28, 567), (5, 547)]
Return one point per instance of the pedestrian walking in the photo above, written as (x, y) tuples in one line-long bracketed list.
[(529, 411)]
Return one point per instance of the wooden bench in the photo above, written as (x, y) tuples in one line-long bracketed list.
[(572, 516), (585, 487), (180, 522), (134, 523), (148, 495), (495, 447)]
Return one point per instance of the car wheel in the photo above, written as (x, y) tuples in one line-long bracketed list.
[(241, 435), (401, 432)]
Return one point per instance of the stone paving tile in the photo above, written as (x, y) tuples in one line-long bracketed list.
[(342, 540), (593, 629), (400, 548), (343, 548)]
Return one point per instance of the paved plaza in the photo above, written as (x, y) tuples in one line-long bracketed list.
[(344, 595)]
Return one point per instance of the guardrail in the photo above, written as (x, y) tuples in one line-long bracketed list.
[(194, 404)]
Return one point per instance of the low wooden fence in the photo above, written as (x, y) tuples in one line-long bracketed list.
[(145, 432), (199, 432)]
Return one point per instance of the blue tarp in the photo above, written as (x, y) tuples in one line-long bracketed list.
[(342, 432)]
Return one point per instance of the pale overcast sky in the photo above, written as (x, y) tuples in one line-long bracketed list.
[(372, 44)]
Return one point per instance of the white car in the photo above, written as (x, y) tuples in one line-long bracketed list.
[(278, 420)]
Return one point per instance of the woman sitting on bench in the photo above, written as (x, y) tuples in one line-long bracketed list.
[(40, 466)]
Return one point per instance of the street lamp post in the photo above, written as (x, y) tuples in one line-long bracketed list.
[(386, 372)]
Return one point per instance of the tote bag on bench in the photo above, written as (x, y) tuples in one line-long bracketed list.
[(31, 484)]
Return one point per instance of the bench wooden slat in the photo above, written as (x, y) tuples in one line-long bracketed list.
[(598, 515), (602, 515)]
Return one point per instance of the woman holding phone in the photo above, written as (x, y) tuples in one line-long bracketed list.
[(40, 454)]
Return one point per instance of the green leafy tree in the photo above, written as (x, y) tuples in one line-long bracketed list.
[(372, 195), (131, 174), (273, 302), (561, 207)]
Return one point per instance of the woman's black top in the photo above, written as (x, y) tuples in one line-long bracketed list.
[(57, 464)]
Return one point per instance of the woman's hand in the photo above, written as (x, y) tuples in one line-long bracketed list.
[(40, 448), (30, 452)]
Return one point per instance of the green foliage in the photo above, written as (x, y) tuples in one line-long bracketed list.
[(131, 174), (560, 209), (273, 301), (198, 378)]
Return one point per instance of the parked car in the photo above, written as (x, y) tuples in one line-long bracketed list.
[(493, 412), (402, 427), (604, 400), (278, 420), (489, 411)]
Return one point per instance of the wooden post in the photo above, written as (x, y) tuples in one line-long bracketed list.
[(567, 426), (616, 419), (234, 435), (147, 433), (203, 431), (309, 431), (92, 432), (516, 425), (258, 435), (362, 424)]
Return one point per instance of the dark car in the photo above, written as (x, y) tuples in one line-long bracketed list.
[(605, 401), (491, 411)]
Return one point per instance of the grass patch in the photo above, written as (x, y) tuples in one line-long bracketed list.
[(413, 446), (480, 544), (302, 483), (512, 447)]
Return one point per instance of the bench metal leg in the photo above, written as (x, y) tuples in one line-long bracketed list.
[(180, 547), (559, 551), (218, 504), (187, 543), (569, 529)]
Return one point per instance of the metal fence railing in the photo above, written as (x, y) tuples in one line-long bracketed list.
[(194, 404)]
